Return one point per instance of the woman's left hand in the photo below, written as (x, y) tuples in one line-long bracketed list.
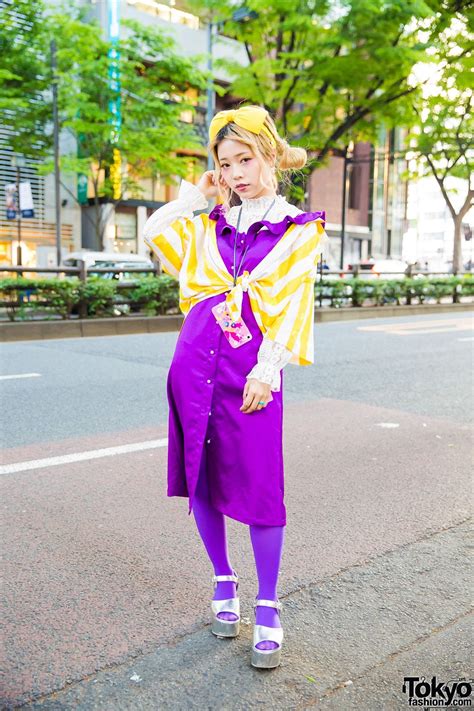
[(255, 392)]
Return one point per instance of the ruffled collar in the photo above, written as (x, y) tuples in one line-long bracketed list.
[(276, 228), (262, 203)]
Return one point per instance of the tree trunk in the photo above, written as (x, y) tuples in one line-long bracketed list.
[(458, 265)]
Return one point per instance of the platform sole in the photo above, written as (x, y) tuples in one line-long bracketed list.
[(266, 659), (220, 628)]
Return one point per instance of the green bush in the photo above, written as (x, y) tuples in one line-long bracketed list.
[(52, 298), (336, 291), (466, 285), (99, 295), (377, 292), (155, 295)]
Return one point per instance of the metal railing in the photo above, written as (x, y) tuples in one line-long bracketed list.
[(326, 295), (82, 272), (326, 277)]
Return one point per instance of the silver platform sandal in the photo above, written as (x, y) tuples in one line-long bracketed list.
[(226, 628), (267, 658)]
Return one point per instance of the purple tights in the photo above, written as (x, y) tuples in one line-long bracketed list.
[(267, 544)]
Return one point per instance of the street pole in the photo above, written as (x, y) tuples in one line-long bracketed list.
[(57, 203), (18, 248), (344, 200), (18, 162), (211, 99)]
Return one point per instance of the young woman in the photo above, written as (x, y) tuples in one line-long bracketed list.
[(246, 274)]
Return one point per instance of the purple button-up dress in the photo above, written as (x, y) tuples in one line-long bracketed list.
[(240, 454)]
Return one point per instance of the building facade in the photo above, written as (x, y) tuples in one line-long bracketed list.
[(429, 238), (372, 208)]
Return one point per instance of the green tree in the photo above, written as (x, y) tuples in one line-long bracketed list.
[(151, 90), (24, 79), (331, 72), (441, 138)]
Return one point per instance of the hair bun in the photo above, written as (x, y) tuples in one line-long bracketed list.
[(292, 157)]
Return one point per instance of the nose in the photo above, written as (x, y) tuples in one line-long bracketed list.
[(236, 172)]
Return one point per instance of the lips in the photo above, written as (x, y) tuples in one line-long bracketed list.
[(242, 186)]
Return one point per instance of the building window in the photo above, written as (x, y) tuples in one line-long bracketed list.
[(354, 187), (125, 231), (166, 13)]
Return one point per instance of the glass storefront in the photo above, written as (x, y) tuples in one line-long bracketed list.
[(125, 232)]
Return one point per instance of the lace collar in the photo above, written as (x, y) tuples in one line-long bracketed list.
[(262, 203)]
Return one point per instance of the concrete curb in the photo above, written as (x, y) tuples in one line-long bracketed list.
[(121, 326)]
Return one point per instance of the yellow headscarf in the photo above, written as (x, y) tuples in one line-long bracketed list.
[(251, 118)]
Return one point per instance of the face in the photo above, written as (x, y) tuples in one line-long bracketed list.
[(241, 170)]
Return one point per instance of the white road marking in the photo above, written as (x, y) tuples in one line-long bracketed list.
[(410, 328), (468, 338), (81, 456), (388, 425), (20, 375)]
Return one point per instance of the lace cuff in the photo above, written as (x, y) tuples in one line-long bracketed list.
[(272, 357), (189, 199)]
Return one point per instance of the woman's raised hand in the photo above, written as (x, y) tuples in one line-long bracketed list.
[(208, 184)]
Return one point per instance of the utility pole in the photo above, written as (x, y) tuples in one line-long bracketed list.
[(211, 99), (18, 162), (344, 207), (57, 203)]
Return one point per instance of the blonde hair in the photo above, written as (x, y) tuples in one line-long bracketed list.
[(283, 156)]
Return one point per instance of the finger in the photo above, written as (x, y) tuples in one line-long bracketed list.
[(247, 401), (252, 405), (265, 401)]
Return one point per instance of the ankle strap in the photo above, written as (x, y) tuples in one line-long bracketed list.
[(268, 603), (223, 578)]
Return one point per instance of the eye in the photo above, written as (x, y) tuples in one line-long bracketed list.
[(245, 159), (224, 165)]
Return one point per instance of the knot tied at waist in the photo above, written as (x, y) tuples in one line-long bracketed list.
[(235, 295)]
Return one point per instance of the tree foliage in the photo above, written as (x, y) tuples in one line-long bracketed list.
[(332, 72), (154, 82), (442, 136)]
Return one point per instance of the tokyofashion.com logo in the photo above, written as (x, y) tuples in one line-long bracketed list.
[(421, 692)]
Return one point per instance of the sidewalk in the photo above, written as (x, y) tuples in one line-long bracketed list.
[(349, 642)]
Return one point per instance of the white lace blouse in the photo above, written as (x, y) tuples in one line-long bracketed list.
[(272, 357)]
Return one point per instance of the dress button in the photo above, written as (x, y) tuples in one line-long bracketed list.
[(211, 352), (210, 413), (208, 441), (208, 381)]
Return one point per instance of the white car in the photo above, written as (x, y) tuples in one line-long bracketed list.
[(380, 268), (106, 259)]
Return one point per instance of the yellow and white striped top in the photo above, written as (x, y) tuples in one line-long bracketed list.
[(280, 288)]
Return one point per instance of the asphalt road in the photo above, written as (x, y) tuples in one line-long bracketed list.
[(104, 575)]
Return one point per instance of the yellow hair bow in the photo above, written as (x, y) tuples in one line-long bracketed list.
[(251, 118)]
